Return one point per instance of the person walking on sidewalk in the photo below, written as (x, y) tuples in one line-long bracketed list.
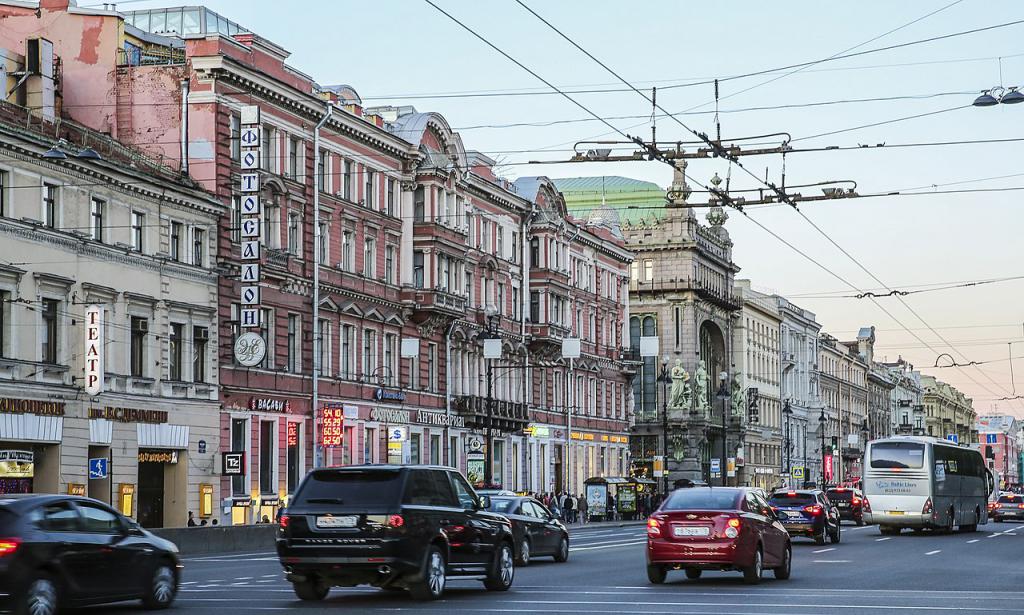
[(583, 508), (568, 509)]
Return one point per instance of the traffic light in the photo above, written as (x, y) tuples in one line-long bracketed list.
[(835, 442), (990, 453)]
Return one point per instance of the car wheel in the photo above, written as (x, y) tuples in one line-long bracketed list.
[(503, 570), (836, 535), (431, 586), (311, 590), (782, 572), (656, 574), (162, 589), (562, 555), (752, 573), (693, 573), (524, 553), (41, 598)]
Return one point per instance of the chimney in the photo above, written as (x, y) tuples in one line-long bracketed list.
[(55, 5)]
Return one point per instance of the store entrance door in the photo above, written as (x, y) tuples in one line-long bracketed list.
[(151, 494)]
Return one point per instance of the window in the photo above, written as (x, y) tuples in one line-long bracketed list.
[(5, 303), (268, 437), (198, 246), (432, 366), (293, 233), (417, 269), (419, 205), (435, 450), (463, 492), (176, 240), (235, 124), (500, 243), (267, 147), (138, 223), (58, 517), (321, 171), (140, 328), (174, 352), (325, 237), (271, 222), (200, 339), (292, 361), (323, 346), (515, 302), (514, 257), (534, 306), (239, 437), (369, 194), (389, 264), (391, 197), (348, 251), (370, 256), (469, 288), (346, 185), (369, 354), (294, 149), (49, 203), (347, 333), (97, 211), (4, 183), (98, 520), (236, 219), (648, 270), (50, 331), (535, 252), (390, 355), (501, 298)]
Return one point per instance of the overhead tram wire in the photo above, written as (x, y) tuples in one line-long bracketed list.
[(782, 196)]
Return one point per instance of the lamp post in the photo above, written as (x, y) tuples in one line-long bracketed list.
[(821, 431), (723, 395), (787, 412), (490, 334), (664, 377), (865, 432)]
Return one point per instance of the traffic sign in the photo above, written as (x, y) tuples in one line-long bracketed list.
[(716, 467), (98, 468), (798, 472), (953, 438)]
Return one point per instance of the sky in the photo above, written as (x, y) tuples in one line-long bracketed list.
[(407, 52)]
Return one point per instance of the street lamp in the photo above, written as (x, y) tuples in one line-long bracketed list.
[(787, 412), (865, 432), (821, 432), (997, 95), (490, 334), (664, 377), (723, 395)]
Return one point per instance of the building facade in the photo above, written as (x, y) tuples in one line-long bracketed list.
[(949, 414), (798, 356), (843, 374), (108, 312), (907, 410), (998, 438)]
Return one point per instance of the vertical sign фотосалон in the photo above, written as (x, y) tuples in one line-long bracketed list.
[(94, 349), (250, 347)]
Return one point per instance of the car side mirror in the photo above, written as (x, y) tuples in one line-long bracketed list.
[(483, 502)]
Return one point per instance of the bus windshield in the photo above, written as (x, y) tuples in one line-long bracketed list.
[(897, 455)]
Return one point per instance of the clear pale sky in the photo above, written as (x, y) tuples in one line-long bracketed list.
[(395, 48)]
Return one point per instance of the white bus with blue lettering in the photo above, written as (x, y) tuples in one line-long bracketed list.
[(925, 483)]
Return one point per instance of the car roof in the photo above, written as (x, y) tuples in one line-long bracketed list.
[(22, 501), (796, 491), (387, 467)]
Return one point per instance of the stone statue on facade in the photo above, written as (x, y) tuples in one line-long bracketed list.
[(679, 396), (700, 388), (739, 401), (678, 446)]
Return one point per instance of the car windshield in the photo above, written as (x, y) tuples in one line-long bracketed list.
[(785, 500), (840, 495), (1011, 499), (701, 499), (897, 455), (362, 489), (501, 506)]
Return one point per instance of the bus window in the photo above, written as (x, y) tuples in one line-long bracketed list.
[(897, 455)]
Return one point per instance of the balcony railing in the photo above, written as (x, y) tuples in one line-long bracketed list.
[(504, 415)]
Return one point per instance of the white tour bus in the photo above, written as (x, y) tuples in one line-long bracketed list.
[(924, 482)]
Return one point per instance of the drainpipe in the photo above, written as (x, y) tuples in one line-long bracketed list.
[(448, 394), (318, 451), (185, 86)]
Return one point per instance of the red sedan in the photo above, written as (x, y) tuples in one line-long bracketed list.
[(719, 528)]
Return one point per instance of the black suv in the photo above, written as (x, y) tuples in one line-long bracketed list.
[(807, 512), (394, 527)]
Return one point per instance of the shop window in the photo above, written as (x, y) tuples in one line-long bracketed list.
[(415, 449), (435, 450), (239, 436), (370, 446), (268, 437), (294, 455), (497, 462)]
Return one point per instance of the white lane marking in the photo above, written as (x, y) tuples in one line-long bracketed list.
[(610, 546), (243, 578), (831, 561), (1019, 527), (824, 550), (188, 583), (992, 535), (212, 558), (883, 539), (854, 529), (934, 552), (270, 576), (971, 542), (1009, 533)]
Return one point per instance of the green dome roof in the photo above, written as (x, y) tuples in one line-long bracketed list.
[(633, 200)]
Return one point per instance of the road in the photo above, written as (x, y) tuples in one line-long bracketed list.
[(865, 573)]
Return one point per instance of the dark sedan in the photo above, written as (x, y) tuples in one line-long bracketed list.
[(61, 551), (536, 530)]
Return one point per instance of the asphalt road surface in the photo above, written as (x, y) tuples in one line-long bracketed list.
[(866, 573)]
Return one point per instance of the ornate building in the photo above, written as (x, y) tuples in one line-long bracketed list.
[(948, 411), (798, 353)]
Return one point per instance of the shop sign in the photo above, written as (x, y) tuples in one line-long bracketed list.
[(293, 434), (250, 347), (17, 464), (9, 405), (474, 444), (828, 467), (398, 434), (386, 395), (390, 415), (158, 456), (440, 419), (332, 427), (579, 435), (94, 349), (128, 415), (201, 445), (261, 404), (538, 431), (233, 463), (475, 468), (270, 500), (76, 489)]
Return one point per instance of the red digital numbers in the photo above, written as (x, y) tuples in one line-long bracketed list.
[(332, 427)]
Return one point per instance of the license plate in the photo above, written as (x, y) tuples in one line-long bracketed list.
[(335, 522), (793, 515), (894, 512), (691, 531), (842, 505)]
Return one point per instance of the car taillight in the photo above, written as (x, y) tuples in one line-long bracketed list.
[(927, 507), (653, 527), (396, 521), (856, 501), (993, 505), (866, 505), (732, 528), (814, 510), (283, 521), (8, 546)]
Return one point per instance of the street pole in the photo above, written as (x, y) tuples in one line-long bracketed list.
[(488, 460), (571, 398), (318, 449), (821, 431), (786, 412), (664, 425)]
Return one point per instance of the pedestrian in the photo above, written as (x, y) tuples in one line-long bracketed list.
[(568, 508), (265, 519), (583, 509), (191, 519), (556, 510), (611, 508)]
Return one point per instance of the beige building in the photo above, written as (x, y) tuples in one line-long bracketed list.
[(843, 384), (948, 411), (108, 337)]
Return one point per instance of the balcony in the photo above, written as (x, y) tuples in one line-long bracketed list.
[(435, 301), (439, 228), (505, 415)]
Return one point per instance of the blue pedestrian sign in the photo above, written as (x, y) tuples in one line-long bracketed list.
[(953, 438), (990, 438), (98, 468)]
